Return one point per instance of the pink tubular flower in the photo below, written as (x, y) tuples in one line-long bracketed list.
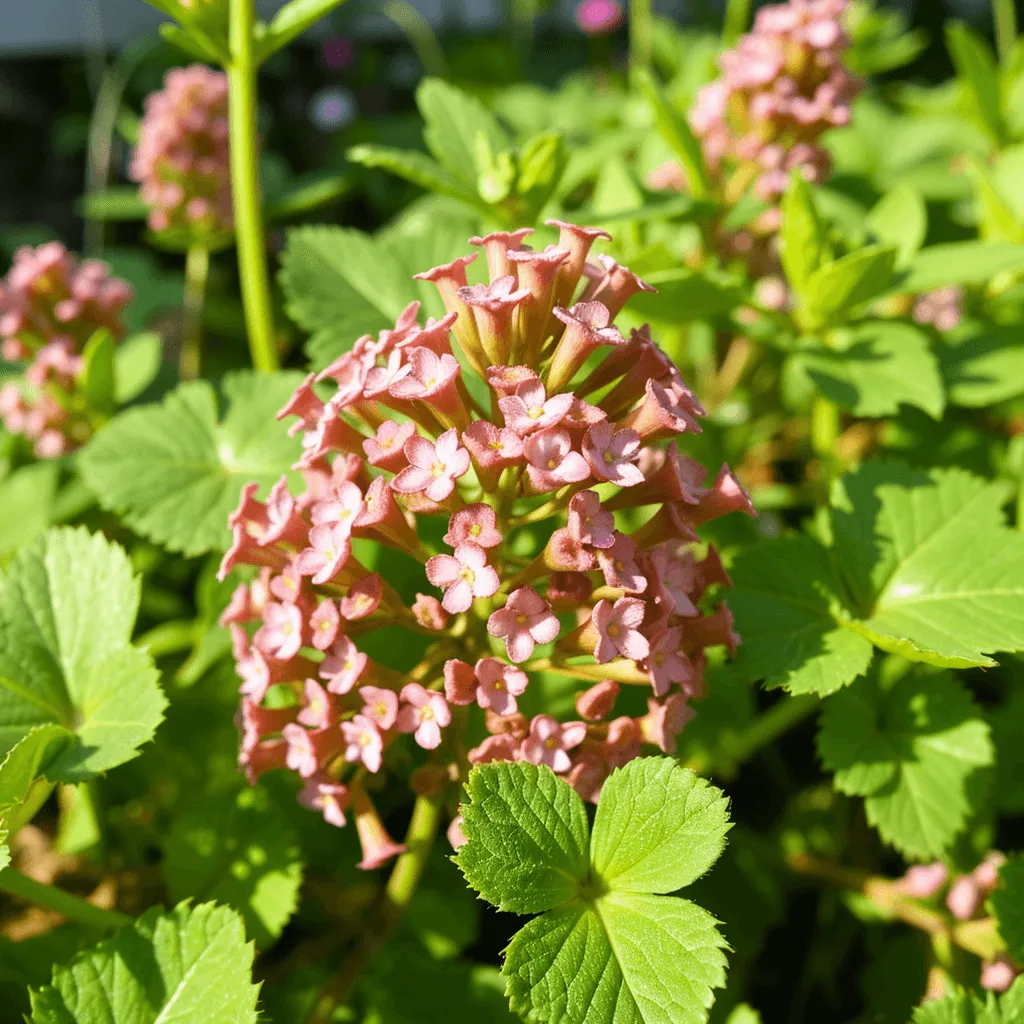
[(476, 524), (378, 846), (328, 552), (552, 462), (385, 449), (612, 454), (280, 636), (500, 684), (665, 720), (363, 598), (618, 628), (525, 620), (589, 523), (924, 880), (459, 682), (321, 793), (464, 576), (597, 702), (363, 742), (529, 410), (309, 749), (381, 706), (549, 742), (424, 714), (343, 665), (667, 664), (433, 468)]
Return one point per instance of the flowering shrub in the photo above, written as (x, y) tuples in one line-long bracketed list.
[(315, 672)]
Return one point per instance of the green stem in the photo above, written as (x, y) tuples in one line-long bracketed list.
[(1005, 13), (71, 907), (737, 18), (245, 184), (824, 427), (419, 33), (197, 270), (737, 749), (641, 35), (396, 897)]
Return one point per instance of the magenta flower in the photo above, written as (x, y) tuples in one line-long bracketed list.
[(588, 522), (500, 684), (476, 524), (424, 714), (612, 454), (464, 576), (525, 620), (618, 628), (363, 742), (529, 410), (343, 666), (552, 462), (549, 742), (433, 468), (598, 17)]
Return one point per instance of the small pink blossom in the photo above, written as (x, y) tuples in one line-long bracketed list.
[(549, 742), (500, 684), (343, 666), (363, 742), (423, 713), (598, 17), (503, 747), (433, 468), (280, 636), (308, 749), (612, 454), (665, 720), (667, 664), (924, 880), (323, 624), (319, 710), (456, 837), (620, 567), (529, 410), (428, 612), (321, 793), (464, 576), (459, 682), (492, 447), (597, 702), (618, 628), (363, 598), (552, 462), (385, 448), (328, 552), (525, 620), (380, 705), (588, 522), (477, 524)]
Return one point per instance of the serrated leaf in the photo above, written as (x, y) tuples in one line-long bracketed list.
[(1007, 904), (985, 367), (189, 966), (658, 827), (174, 471), (785, 602), (967, 1008), (592, 965), (928, 557), (67, 609), (910, 750), (527, 830), (241, 850), (886, 365), (25, 762), (340, 283)]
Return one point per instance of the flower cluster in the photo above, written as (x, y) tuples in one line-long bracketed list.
[(781, 88), (942, 309), (181, 161), (598, 17), (569, 524), (965, 897), (50, 305)]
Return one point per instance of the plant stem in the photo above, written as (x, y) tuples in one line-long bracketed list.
[(396, 897), (419, 33), (197, 270), (641, 34), (736, 749), (245, 183), (71, 907), (1005, 13), (737, 17)]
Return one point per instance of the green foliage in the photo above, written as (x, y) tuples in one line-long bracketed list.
[(968, 1008), (238, 849), (174, 471), (912, 749), (62, 663), (1007, 904), (657, 828), (191, 964)]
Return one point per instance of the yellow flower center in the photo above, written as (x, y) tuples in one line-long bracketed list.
[(496, 446), (613, 630), (552, 463), (382, 708), (467, 574), (536, 412), (607, 458), (521, 619), (476, 529), (426, 714), (437, 469), (551, 743)]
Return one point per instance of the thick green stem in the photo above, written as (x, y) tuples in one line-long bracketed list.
[(71, 907), (737, 17), (197, 270), (641, 34), (396, 897), (245, 183), (824, 427), (1005, 13)]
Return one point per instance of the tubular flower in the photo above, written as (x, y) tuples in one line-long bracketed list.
[(511, 516), (51, 304), (181, 161)]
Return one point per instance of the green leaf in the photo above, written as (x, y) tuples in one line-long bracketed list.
[(910, 749), (658, 827), (528, 837), (802, 240), (27, 500), (979, 76), (67, 608), (307, 193), (837, 288), (190, 965), (238, 849), (966, 263), (684, 296), (98, 380), (900, 218), (454, 121), (23, 787), (118, 203), (414, 167), (788, 611), (136, 363), (592, 965), (984, 367), (175, 472), (1007, 905), (929, 558), (339, 284), (967, 1008), (192, 45), (289, 23), (886, 365)]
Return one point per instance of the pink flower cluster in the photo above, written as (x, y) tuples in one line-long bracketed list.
[(942, 309), (50, 305), (599, 17), (181, 161), (570, 525), (965, 897), (781, 88)]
